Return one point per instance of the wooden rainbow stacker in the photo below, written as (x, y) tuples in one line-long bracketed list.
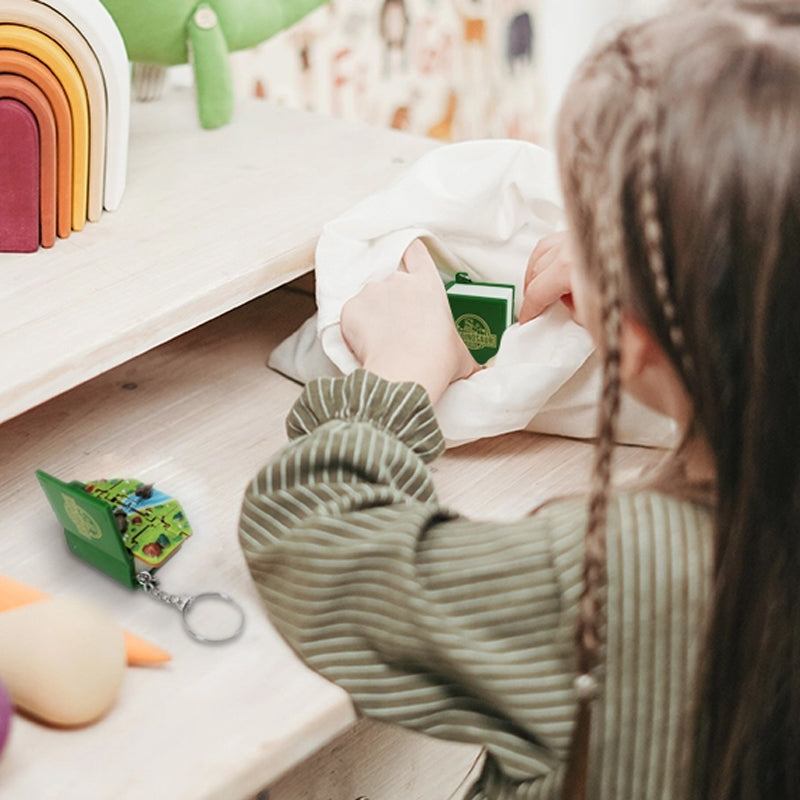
[(64, 119)]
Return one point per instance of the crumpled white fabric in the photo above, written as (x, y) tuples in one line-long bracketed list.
[(481, 207)]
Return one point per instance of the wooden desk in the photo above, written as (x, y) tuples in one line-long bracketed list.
[(196, 415)]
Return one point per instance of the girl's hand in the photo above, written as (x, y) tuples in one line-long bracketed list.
[(548, 277), (401, 327)]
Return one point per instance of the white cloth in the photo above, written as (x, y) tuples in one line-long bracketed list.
[(481, 207)]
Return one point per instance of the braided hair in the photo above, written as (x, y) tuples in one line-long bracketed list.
[(711, 269), (600, 203)]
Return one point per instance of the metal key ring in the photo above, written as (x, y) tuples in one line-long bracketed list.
[(185, 603), (213, 596)]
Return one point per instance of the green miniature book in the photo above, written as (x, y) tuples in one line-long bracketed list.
[(121, 526), (482, 311)]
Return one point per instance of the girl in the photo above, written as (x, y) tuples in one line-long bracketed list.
[(680, 163)]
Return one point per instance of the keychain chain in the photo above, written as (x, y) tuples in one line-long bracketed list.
[(150, 586)]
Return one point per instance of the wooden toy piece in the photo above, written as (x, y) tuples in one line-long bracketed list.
[(99, 29), (52, 25), (18, 63), (50, 53), (139, 652), (31, 95), (62, 660), (14, 594), (19, 178)]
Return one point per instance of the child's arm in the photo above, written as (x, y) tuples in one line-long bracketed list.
[(457, 628)]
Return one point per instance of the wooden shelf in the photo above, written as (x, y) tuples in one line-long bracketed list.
[(208, 221)]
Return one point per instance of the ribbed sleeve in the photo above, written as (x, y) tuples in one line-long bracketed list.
[(401, 409), (461, 629)]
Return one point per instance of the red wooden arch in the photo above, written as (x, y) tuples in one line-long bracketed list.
[(19, 178)]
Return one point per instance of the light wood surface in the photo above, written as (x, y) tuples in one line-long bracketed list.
[(372, 760), (208, 221), (197, 416)]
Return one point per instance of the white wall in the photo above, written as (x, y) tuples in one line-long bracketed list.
[(569, 28)]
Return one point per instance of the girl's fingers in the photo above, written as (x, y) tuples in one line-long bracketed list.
[(546, 288), (417, 260), (546, 249), (542, 263)]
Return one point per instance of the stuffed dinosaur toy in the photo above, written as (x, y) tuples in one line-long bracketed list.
[(170, 32)]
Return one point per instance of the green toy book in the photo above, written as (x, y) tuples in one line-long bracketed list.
[(121, 526), (482, 311)]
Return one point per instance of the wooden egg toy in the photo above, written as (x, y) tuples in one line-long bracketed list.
[(61, 660)]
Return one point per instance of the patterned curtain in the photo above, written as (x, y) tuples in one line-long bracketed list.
[(451, 69)]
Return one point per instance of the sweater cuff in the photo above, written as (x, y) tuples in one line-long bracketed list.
[(401, 409)]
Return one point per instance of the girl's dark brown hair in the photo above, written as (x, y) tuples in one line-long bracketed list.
[(679, 149)]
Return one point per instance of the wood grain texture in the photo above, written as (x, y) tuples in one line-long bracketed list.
[(216, 722), (375, 761)]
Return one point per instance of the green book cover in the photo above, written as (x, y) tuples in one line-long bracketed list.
[(121, 526), (482, 311), (90, 528)]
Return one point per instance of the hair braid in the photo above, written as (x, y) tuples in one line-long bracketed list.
[(610, 252), (610, 255), (591, 621), (648, 206)]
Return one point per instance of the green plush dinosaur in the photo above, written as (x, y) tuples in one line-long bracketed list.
[(169, 32)]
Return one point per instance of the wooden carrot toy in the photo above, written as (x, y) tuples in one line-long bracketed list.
[(139, 652)]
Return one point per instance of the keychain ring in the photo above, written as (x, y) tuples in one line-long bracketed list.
[(220, 598)]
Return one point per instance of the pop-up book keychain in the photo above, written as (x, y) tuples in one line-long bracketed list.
[(128, 529)]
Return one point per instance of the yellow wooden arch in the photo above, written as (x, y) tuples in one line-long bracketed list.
[(97, 26)]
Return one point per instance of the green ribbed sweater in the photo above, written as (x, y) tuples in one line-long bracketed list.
[(465, 629)]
